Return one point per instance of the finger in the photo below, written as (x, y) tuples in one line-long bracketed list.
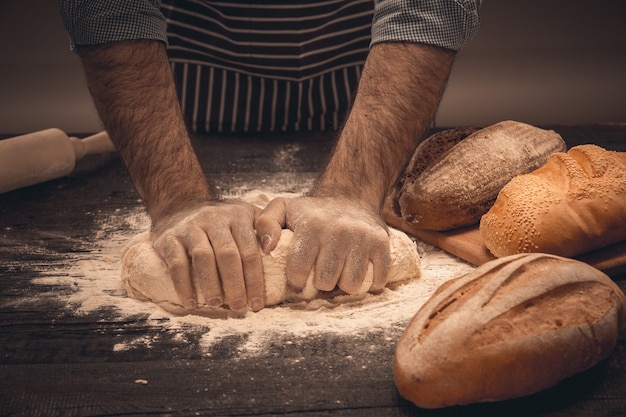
[(230, 269), (380, 257), (301, 259), (354, 271), (328, 266), (252, 265), (204, 269), (270, 222), (175, 256), (257, 211)]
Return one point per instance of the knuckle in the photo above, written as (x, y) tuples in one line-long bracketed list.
[(382, 243), (227, 253), (201, 254), (166, 244), (176, 265), (250, 257), (178, 273)]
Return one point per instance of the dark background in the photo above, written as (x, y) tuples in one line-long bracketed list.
[(542, 62)]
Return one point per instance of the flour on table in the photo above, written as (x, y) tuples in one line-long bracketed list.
[(146, 275), (91, 285)]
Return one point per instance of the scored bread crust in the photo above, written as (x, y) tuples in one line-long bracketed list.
[(573, 204), (512, 327)]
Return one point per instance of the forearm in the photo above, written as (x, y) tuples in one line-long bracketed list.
[(134, 92), (398, 94)]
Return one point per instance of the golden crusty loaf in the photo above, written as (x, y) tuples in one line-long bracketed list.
[(573, 204), (512, 327), (462, 183)]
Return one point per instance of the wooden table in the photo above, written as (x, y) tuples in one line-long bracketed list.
[(55, 362)]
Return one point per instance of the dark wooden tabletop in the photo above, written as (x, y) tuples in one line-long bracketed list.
[(55, 361)]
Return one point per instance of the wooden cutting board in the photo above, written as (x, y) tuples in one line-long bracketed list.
[(467, 244)]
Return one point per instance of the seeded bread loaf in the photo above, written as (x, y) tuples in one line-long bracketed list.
[(573, 204), (454, 188), (512, 327)]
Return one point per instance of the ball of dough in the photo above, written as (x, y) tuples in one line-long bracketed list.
[(146, 277)]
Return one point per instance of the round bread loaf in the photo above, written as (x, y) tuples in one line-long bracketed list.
[(460, 185), (573, 204), (512, 327)]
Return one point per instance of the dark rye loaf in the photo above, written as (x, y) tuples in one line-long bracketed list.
[(454, 177)]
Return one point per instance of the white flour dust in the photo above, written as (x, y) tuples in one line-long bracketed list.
[(95, 285)]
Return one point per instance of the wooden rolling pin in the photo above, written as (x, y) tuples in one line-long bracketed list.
[(45, 155)]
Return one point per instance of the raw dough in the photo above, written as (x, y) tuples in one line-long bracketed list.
[(146, 277)]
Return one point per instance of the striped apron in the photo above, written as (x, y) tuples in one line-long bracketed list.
[(267, 65)]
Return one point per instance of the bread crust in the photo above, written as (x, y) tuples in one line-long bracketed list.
[(460, 185), (573, 204), (426, 153), (512, 327)]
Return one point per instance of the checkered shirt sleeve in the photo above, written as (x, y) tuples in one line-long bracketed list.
[(445, 23), (92, 22)]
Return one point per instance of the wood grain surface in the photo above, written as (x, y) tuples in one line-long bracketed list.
[(56, 361)]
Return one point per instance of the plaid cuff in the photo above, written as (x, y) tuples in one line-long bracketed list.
[(92, 22), (445, 23)]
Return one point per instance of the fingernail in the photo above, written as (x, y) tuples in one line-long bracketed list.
[(215, 302), (190, 304), (256, 304), (265, 241), (238, 304)]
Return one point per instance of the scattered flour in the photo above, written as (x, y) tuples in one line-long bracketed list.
[(95, 285)]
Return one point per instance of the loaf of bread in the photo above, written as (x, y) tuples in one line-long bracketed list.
[(573, 204), (456, 186), (512, 327), (425, 155)]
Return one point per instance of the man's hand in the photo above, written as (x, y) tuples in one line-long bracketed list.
[(339, 230), (333, 236), (203, 241), (212, 249)]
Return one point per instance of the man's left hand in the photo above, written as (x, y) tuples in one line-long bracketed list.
[(336, 237)]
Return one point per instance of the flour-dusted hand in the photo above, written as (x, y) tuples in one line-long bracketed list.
[(208, 245), (334, 237), (339, 230), (214, 246)]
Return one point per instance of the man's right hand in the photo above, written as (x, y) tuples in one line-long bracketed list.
[(214, 246), (201, 240)]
